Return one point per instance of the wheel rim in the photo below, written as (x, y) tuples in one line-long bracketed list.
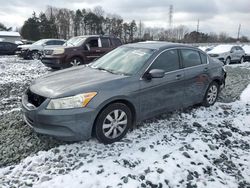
[(212, 94), (115, 124), (35, 56), (227, 61), (75, 62)]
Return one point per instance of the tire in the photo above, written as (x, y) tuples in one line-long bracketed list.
[(113, 123), (34, 55), (241, 60), (75, 61), (228, 61), (211, 95)]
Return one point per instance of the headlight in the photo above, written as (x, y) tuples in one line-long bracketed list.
[(58, 51), (77, 101)]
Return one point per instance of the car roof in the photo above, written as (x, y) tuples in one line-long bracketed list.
[(157, 45)]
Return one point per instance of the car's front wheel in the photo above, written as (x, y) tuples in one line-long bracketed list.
[(211, 94), (35, 55), (113, 123)]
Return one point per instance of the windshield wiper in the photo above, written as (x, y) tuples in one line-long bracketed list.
[(107, 70)]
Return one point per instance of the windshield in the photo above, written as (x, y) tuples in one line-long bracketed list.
[(76, 41), (40, 42), (123, 60)]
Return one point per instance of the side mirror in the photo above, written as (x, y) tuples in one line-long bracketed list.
[(231, 51), (155, 73)]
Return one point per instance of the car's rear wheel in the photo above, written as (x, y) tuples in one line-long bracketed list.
[(75, 61), (228, 61), (113, 123), (211, 94)]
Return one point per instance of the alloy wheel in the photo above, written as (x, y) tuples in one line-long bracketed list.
[(75, 62), (115, 123), (212, 94)]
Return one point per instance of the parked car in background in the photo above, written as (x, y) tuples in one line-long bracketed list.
[(132, 83), (7, 48), (206, 48), (33, 51), (79, 50), (247, 53), (228, 53)]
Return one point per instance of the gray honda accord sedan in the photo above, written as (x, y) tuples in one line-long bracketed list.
[(131, 83)]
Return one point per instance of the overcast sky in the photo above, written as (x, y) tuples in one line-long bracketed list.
[(214, 15)]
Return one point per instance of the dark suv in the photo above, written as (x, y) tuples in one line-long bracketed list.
[(79, 50)]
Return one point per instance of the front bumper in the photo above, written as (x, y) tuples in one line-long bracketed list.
[(53, 62), (23, 53), (68, 125)]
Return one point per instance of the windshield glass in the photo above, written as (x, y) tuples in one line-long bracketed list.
[(40, 42), (123, 60), (76, 41)]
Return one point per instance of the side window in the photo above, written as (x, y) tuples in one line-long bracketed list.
[(51, 42), (239, 48), (93, 43), (190, 58), (203, 58), (168, 61), (116, 42), (59, 42), (105, 42), (233, 49)]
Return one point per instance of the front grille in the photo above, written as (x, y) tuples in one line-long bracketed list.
[(47, 52), (35, 99)]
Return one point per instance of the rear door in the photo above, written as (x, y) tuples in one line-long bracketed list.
[(162, 94), (195, 66)]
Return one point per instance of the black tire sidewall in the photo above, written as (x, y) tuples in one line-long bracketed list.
[(205, 102), (101, 117)]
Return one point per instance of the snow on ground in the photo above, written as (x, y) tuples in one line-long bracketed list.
[(205, 147), (16, 75), (198, 147)]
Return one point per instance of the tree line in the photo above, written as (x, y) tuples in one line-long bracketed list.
[(65, 23)]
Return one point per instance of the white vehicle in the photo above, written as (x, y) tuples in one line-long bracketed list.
[(33, 51), (228, 53), (247, 51)]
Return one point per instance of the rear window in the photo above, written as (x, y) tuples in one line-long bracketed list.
[(190, 58)]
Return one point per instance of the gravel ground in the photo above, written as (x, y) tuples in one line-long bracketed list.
[(17, 141)]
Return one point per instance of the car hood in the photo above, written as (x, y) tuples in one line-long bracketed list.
[(72, 81), (24, 46)]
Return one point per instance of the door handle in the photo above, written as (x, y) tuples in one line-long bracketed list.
[(178, 76), (98, 51), (205, 69)]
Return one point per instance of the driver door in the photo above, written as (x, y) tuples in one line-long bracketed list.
[(163, 94)]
